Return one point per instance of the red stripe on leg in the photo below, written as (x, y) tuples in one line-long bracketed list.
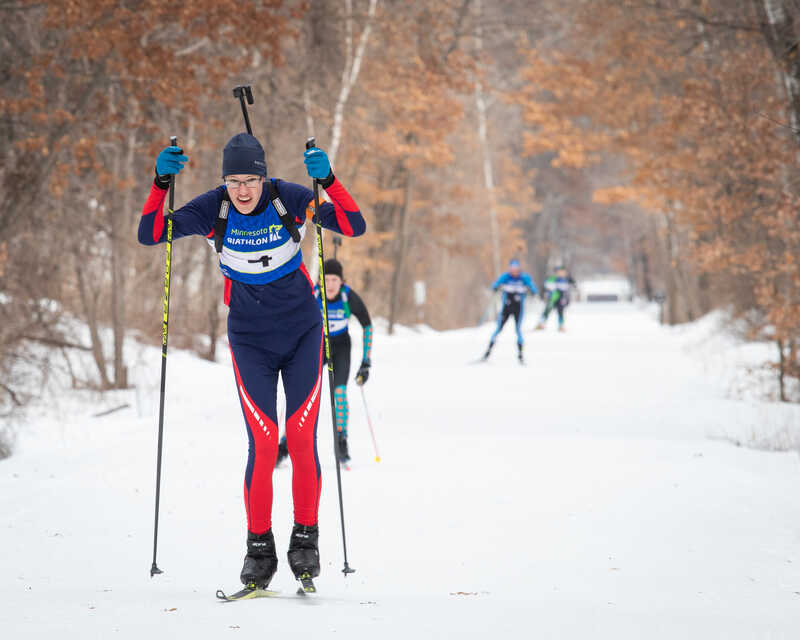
[(301, 440), (264, 438), (308, 277)]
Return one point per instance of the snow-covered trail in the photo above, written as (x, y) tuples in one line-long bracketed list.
[(575, 497)]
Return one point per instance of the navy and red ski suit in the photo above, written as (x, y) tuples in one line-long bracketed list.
[(273, 326)]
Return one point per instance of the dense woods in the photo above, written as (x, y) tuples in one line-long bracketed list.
[(657, 139)]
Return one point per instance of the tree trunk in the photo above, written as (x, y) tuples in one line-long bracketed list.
[(483, 137), (779, 30), (781, 371), (647, 285), (89, 303), (350, 72), (672, 292), (119, 264), (400, 252), (682, 295), (212, 304), (307, 108)]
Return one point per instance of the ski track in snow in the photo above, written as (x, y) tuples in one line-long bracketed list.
[(576, 497)]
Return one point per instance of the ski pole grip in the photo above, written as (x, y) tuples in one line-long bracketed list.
[(311, 143), (244, 92), (173, 140)]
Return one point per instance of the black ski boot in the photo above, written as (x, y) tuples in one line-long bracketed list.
[(519, 354), (341, 449), (261, 561), (488, 351), (283, 451), (304, 551)]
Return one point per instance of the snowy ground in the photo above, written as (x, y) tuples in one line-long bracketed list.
[(578, 497)]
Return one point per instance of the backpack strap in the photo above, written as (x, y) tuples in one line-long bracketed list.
[(221, 223), (345, 300), (286, 218)]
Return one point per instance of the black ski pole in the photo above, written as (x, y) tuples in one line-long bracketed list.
[(320, 254), (164, 329), (242, 92)]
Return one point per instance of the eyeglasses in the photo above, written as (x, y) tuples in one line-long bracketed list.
[(250, 183)]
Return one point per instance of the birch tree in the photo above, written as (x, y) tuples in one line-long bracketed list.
[(483, 137), (354, 58), (778, 20)]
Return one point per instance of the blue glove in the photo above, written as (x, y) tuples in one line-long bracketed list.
[(170, 161), (317, 163)]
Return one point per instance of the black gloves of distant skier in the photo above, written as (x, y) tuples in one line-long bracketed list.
[(363, 371)]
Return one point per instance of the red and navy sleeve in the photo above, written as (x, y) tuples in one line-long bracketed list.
[(341, 214), (196, 217)]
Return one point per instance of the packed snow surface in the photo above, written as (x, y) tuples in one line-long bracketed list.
[(589, 494)]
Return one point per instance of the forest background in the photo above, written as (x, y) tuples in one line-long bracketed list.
[(654, 139)]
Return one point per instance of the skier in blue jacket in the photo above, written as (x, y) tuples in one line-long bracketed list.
[(274, 324), (514, 284)]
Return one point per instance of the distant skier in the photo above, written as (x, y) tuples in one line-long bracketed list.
[(274, 324), (556, 294), (343, 302), (514, 284)]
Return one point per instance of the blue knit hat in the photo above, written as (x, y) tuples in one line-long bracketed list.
[(513, 262), (243, 155)]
